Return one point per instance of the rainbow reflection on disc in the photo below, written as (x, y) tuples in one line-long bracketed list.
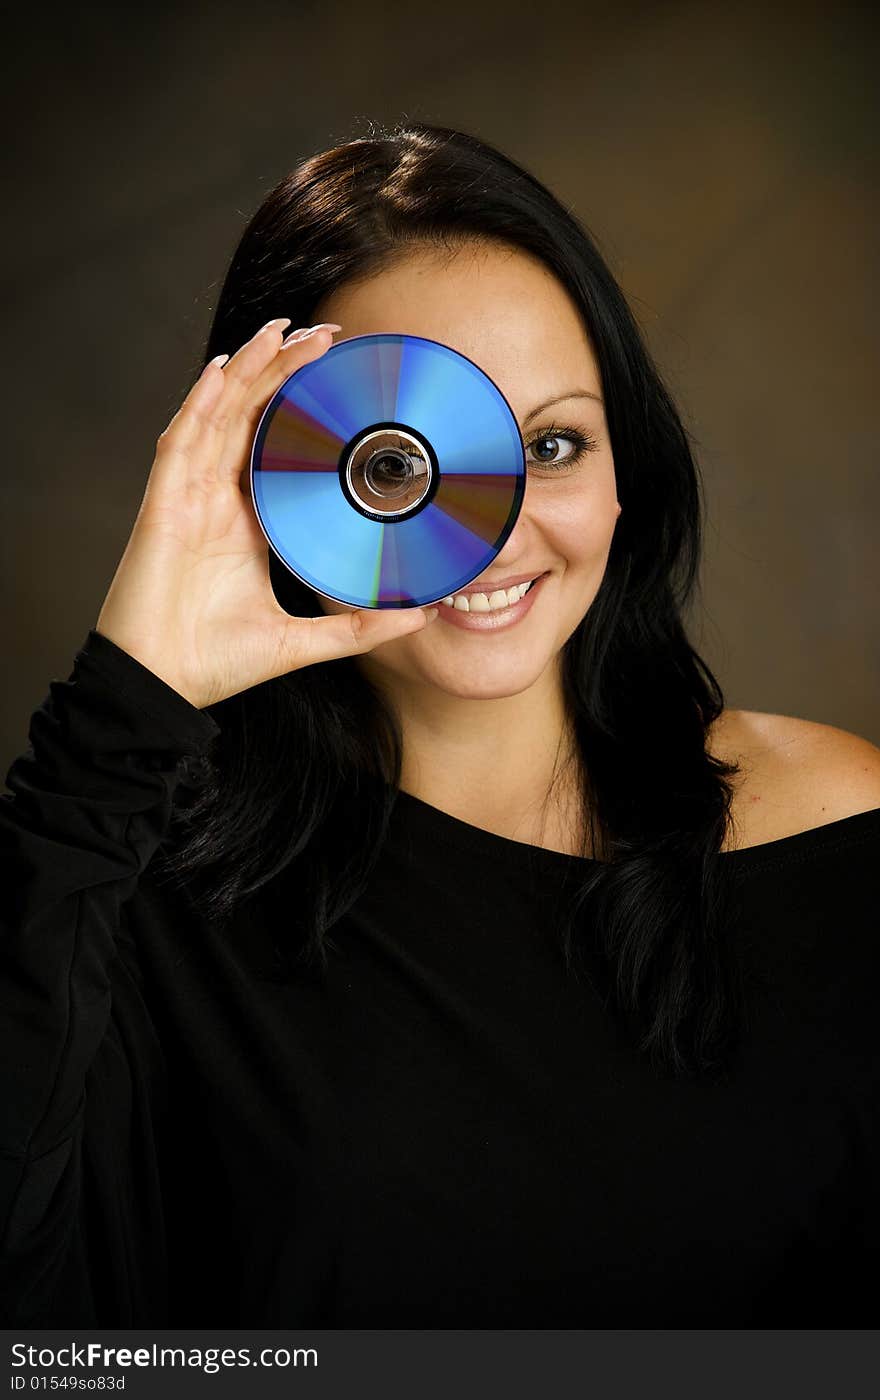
[(388, 472)]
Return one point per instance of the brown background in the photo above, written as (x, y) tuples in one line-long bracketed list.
[(722, 155)]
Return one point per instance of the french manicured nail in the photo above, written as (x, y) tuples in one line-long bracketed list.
[(280, 321), (301, 334)]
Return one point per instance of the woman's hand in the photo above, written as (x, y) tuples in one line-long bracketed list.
[(192, 598)]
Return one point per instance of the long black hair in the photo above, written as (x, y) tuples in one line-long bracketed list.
[(305, 771)]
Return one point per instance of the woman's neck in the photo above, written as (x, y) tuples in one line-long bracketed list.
[(505, 764)]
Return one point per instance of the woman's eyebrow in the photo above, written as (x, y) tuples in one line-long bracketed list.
[(572, 394)]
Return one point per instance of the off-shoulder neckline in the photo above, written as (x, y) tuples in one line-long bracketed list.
[(435, 824)]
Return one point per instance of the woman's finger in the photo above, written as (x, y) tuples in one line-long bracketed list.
[(309, 640), (192, 441), (235, 454)]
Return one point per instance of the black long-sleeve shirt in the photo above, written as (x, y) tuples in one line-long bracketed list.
[(445, 1130)]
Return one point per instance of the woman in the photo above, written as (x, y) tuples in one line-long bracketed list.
[(468, 966)]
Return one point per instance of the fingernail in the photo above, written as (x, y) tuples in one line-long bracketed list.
[(298, 335), (280, 322)]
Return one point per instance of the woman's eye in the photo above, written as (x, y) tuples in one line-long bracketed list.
[(560, 447), (547, 448)]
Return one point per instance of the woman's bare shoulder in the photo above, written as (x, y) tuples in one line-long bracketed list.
[(795, 773)]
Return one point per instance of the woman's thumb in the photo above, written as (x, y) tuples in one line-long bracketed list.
[(332, 635)]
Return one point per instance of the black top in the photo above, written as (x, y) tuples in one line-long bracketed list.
[(446, 1130)]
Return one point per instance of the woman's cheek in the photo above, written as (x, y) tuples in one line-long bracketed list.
[(579, 523)]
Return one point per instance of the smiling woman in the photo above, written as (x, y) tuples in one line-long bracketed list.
[(426, 980), (498, 305)]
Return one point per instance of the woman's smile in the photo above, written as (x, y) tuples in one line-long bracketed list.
[(487, 618)]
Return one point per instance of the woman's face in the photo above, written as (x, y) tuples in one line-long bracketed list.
[(505, 311)]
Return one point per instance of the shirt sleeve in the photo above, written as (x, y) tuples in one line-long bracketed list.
[(88, 804)]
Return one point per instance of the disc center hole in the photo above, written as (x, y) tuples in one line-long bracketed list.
[(388, 472)]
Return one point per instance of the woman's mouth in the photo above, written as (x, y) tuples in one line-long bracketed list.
[(485, 612)]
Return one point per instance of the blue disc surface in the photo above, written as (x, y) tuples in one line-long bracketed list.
[(304, 441)]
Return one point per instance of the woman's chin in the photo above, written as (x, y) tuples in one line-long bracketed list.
[(484, 681)]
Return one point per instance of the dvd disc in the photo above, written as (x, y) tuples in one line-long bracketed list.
[(388, 472)]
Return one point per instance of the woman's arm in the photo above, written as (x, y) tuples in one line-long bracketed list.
[(89, 803)]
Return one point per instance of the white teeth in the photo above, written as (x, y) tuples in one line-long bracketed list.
[(479, 602)]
